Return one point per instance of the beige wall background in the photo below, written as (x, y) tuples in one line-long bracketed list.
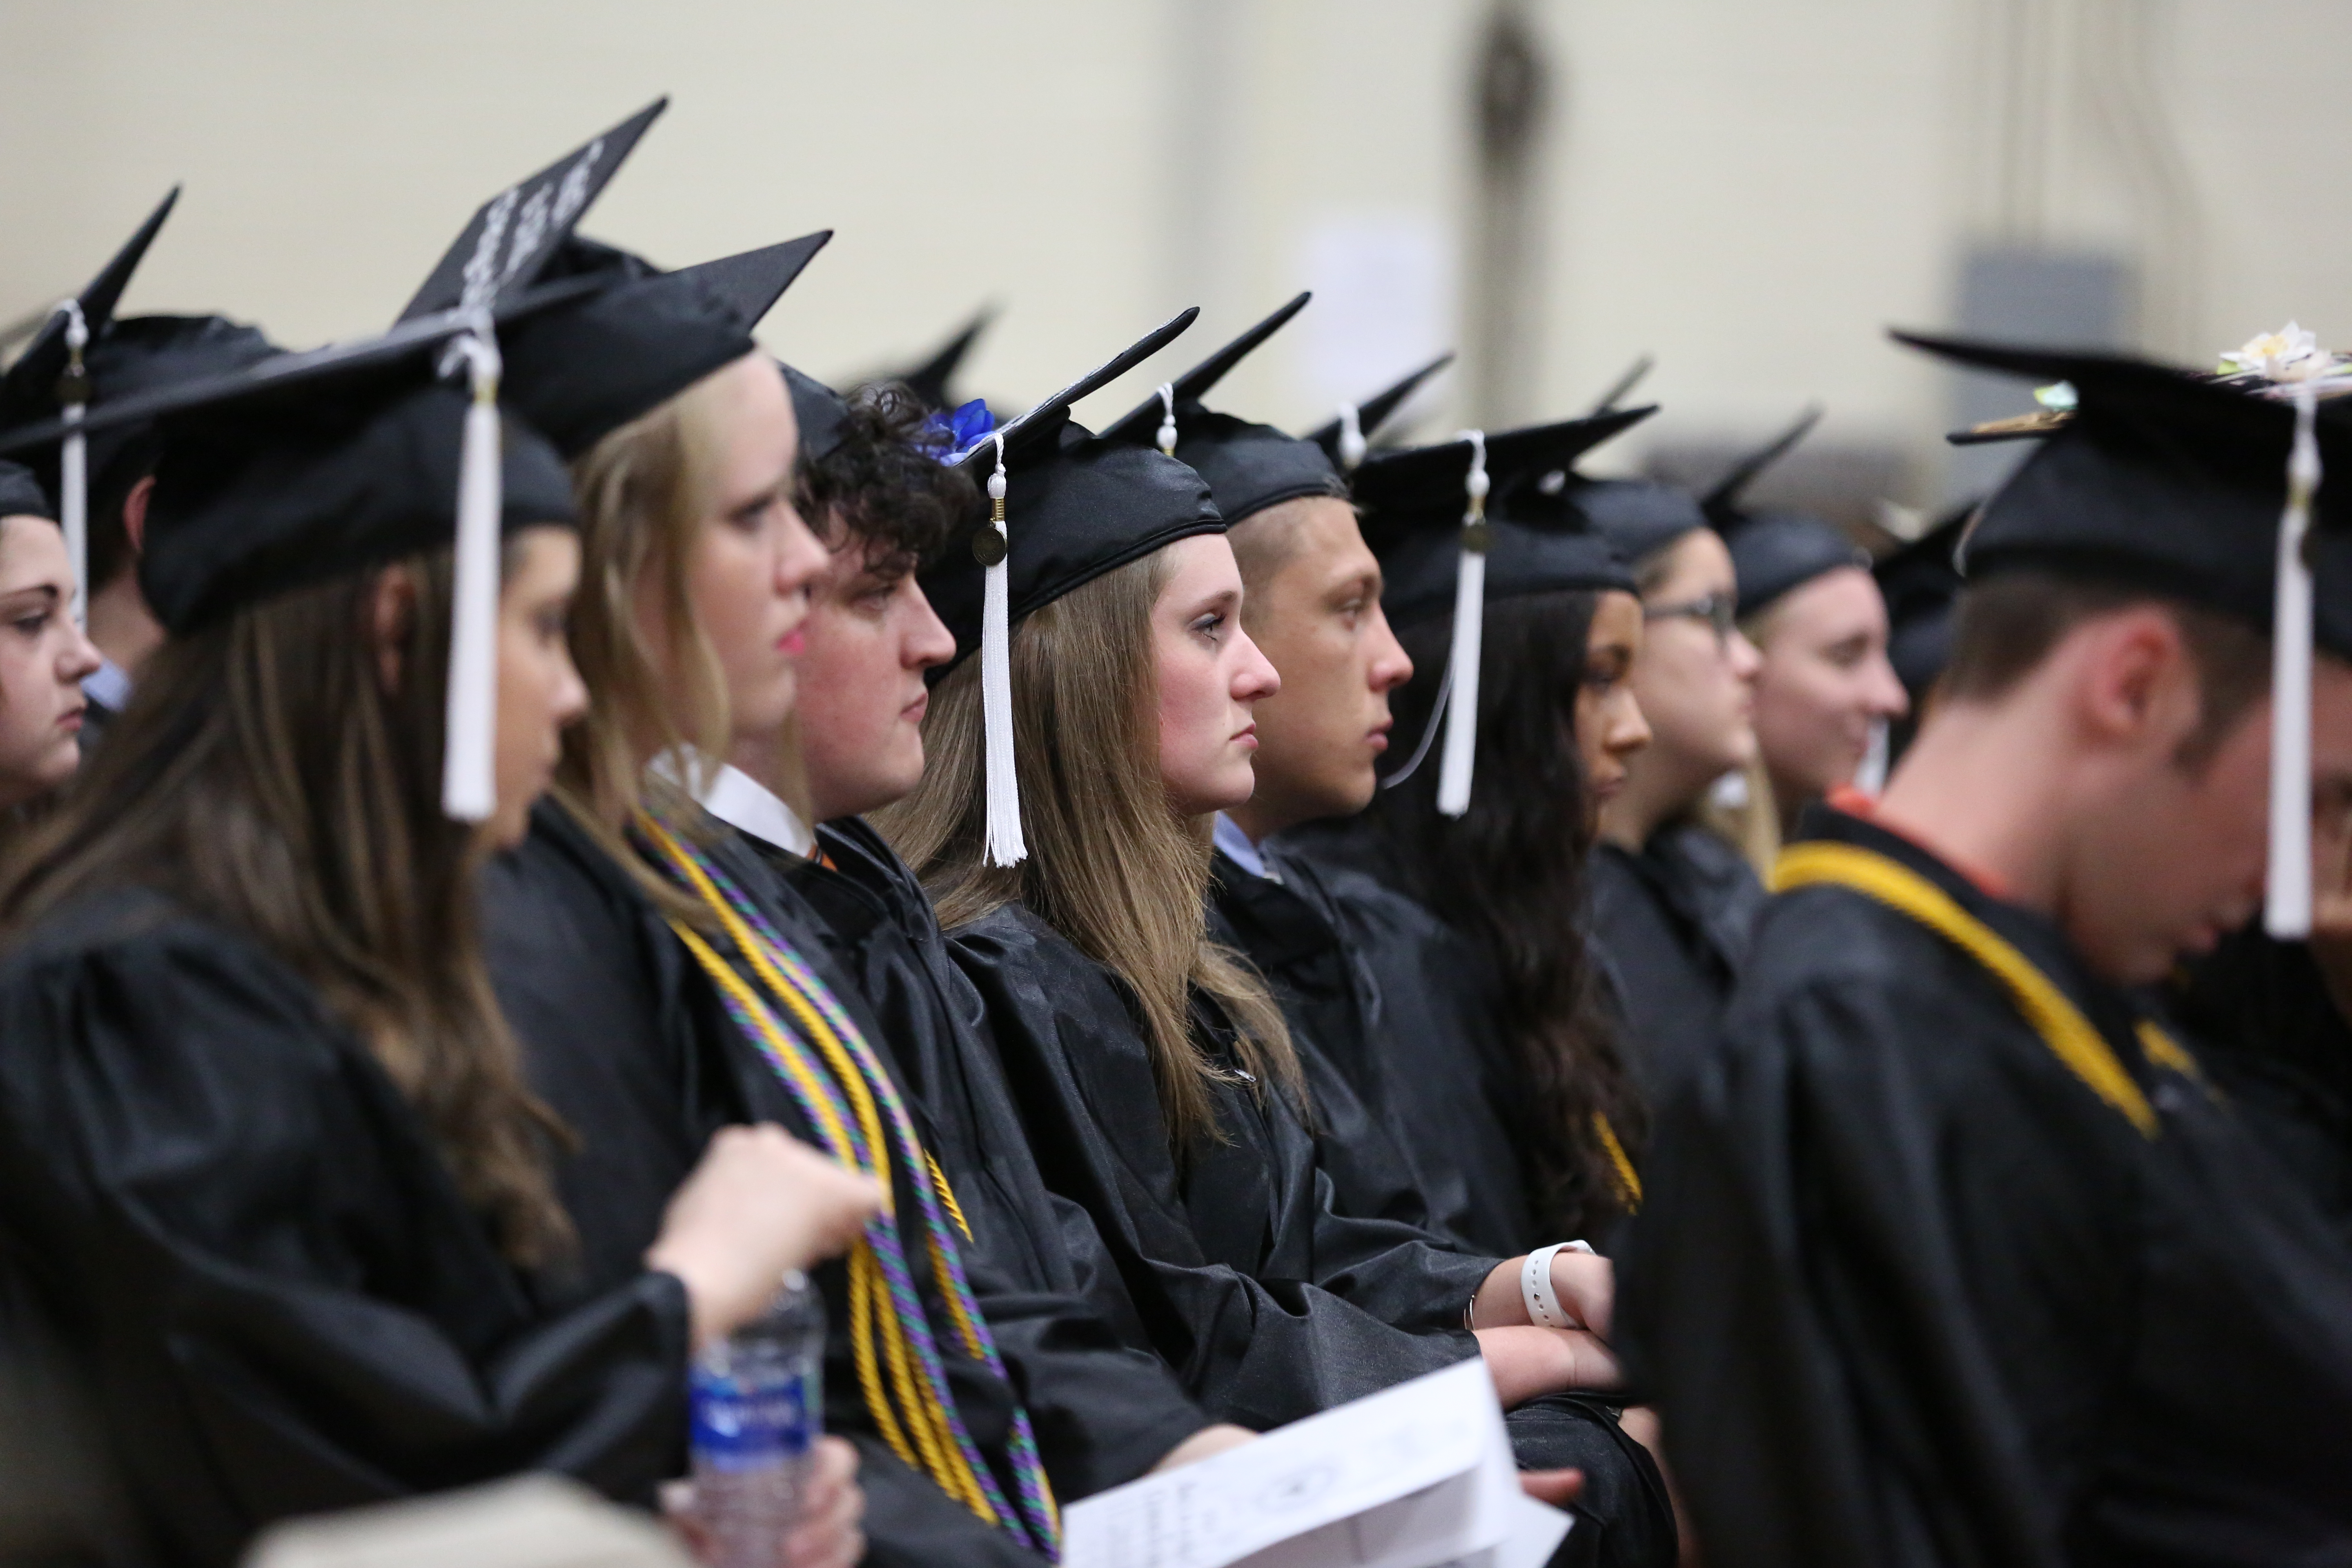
[(1751, 192)]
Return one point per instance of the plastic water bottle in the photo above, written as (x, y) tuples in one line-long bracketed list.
[(758, 1402)]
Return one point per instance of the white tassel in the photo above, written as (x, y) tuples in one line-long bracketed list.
[(2287, 912), (1005, 846), (73, 460), (1453, 768), (1352, 444), (1168, 417), (469, 773)]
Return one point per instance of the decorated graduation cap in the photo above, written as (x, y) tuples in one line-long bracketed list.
[(582, 370), (1064, 507), (2205, 489), (1427, 517), (931, 380), (1774, 553), (21, 494), (51, 381), (1346, 437), (1249, 467), (513, 235)]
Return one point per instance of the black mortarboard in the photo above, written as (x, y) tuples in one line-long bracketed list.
[(582, 371), (1638, 517), (138, 355), (1541, 538), (1465, 520), (820, 412), (21, 494), (1347, 438), (1064, 507), (513, 235), (1622, 387), (269, 483), (1921, 583), (52, 377), (1249, 467), (2179, 483), (1774, 553), (931, 381)]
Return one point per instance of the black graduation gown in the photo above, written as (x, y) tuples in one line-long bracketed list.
[(627, 1038), (276, 1295), (2271, 1035), (1288, 934), (1449, 1074), (1671, 924), (1266, 1297), (1908, 1291)]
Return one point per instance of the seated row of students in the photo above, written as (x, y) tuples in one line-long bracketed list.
[(322, 1229), (1174, 1076)]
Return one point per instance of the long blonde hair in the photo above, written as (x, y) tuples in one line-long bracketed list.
[(1111, 867)]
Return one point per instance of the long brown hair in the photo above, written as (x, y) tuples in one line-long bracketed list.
[(265, 778), (1509, 877), (1111, 867)]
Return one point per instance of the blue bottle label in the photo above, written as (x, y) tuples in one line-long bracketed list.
[(740, 1424)]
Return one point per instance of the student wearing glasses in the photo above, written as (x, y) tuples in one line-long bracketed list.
[(1672, 901)]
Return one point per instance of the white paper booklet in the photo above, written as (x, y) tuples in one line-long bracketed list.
[(1418, 1475)]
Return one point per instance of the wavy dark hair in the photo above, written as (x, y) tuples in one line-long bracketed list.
[(1508, 875), (883, 485)]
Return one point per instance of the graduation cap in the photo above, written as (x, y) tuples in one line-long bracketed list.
[(1774, 553), (1426, 516), (1921, 583), (51, 382), (1345, 439), (1065, 508), (513, 235), (21, 494), (2203, 489), (1249, 467), (1622, 387), (580, 371), (930, 381)]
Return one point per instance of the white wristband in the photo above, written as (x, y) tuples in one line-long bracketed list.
[(1535, 1286)]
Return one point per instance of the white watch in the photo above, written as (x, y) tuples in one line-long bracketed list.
[(1542, 1302)]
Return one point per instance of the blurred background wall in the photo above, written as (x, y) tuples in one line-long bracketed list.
[(1751, 192)]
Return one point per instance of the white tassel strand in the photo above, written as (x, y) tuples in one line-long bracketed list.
[(1168, 417), (73, 458), (1006, 845), (469, 773), (1352, 444), (1454, 764), (2287, 910)]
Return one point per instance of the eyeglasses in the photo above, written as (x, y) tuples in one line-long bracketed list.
[(1719, 611)]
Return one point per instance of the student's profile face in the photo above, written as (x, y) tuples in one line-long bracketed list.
[(1315, 615), (870, 636), (1825, 682), (1696, 686), (1209, 676), (540, 692), (1609, 724), (44, 657), (754, 561)]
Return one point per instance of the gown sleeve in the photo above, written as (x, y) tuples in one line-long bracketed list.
[(284, 1302), (1804, 1295)]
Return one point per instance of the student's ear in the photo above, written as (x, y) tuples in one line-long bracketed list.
[(135, 513), (2140, 685), (390, 617)]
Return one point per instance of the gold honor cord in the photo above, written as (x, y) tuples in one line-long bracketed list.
[(1629, 1183), (2070, 1036), (940, 1458)]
